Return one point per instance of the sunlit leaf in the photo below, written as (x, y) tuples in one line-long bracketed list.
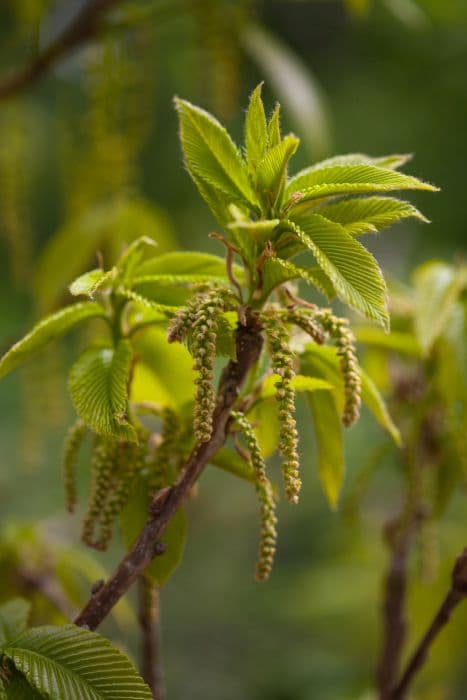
[(370, 214), (271, 170), (256, 134), (353, 271), (45, 331), (230, 461), (98, 386)]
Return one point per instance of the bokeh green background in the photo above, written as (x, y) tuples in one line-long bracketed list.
[(393, 78)]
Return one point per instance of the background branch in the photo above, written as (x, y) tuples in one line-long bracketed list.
[(455, 595), (249, 343), (87, 23), (149, 622)]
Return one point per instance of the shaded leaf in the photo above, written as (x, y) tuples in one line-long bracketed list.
[(271, 171), (211, 155), (395, 341), (70, 662), (14, 615), (132, 521), (300, 383), (185, 263), (45, 331), (437, 289), (98, 386), (328, 432), (19, 689), (370, 214), (230, 461), (353, 271), (89, 282)]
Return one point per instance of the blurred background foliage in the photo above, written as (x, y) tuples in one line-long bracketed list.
[(89, 158)]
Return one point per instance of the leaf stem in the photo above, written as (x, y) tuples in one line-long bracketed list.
[(149, 621)]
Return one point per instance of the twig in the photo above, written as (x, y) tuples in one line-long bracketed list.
[(455, 595), (149, 621), (86, 24), (399, 535), (249, 342)]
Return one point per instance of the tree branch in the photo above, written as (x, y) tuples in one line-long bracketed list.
[(149, 621), (249, 343), (87, 23), (456, 593)]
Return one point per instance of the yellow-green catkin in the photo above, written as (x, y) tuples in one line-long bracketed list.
[(162, 466), (283, 365), (268, 538), (73, 441), (114, 466), (199, 323), (344, 341)]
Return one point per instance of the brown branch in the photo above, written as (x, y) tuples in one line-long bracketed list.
[(87, 23), (249, 342), (399, 535), (149, 621), (456, 593)]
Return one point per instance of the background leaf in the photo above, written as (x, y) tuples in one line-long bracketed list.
[(14, 615)]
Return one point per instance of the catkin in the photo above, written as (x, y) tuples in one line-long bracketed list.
[(73, 440), (268, 537), (345, 345), (282, 364), (162, 465), (199, 322), (304, 319)]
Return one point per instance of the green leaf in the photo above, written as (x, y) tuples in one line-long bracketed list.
[(256, 134), (350, 179), (353, 271), (132, 256), (395, 341), (88, 283), (133, 519), (438, 287), (300, 383), (211, 155), (277, 271), (230, 461), (185, 263), (70, 662), (14, 615), (392, 162), (328, 432), (98, 386), (322, 361), (271, 171), (45, 331), (274, 127), (370, 214), (295, 85), (217, 201)]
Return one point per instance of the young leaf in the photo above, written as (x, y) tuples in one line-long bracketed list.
[(328, 432), (45, 331), (392, 162), (70, 662), (14, 615), (300, 383), (271, 171), (211, 155), (185, 263), (274, 127), (277, 271), (132, 520), (369, 214), (98, 386), (353, 271), (256, 134), (351, 179), (132, 256), (88, 283)]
